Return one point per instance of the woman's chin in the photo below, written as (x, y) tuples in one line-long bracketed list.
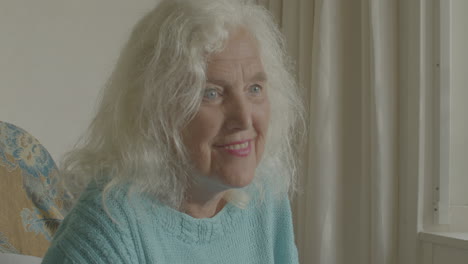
[(238, 180)]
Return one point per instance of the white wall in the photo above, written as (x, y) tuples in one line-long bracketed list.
[(459, 116), (55, 57), (448, 255)]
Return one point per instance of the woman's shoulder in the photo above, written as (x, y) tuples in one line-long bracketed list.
[(105, 205), (97, 226)]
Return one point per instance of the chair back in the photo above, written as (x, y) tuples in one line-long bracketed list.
[(32, 203)]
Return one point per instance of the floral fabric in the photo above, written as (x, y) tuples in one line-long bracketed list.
[(32, 203)]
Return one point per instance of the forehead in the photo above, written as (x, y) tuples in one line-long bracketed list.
[(239, 45), (240, 51)]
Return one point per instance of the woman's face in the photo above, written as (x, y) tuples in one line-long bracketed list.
[(226, 138)]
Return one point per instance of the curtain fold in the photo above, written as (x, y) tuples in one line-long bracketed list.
[(346, 56), (384, 127)]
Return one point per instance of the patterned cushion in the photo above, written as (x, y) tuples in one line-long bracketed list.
[(32, 203)]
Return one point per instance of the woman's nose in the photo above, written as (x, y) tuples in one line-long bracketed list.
[(239, 114)]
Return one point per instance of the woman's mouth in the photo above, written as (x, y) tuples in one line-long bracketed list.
[(239, 149)]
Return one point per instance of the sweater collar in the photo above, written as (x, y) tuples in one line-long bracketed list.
[(194, 230)]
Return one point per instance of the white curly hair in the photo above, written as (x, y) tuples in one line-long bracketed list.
[(155, 90)]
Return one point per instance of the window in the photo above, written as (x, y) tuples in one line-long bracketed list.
[(450, 188)]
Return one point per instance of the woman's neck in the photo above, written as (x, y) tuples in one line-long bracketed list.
[(201, 205)]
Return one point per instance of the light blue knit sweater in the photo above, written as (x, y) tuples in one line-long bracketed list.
[(143, 232)]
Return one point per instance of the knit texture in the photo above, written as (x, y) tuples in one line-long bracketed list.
[(141, 230)]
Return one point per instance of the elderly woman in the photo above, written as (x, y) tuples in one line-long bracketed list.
[(189, 158)]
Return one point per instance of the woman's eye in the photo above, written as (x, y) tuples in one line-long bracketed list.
[(255, 89), (211, 94)]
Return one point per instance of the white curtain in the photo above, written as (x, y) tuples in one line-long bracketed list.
[(347, 62)]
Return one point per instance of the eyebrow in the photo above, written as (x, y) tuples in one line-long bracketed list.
[(258, 77)]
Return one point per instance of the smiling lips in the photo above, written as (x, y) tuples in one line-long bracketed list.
[(239, 149)]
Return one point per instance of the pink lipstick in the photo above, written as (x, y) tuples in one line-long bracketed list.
[(239, 149)]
